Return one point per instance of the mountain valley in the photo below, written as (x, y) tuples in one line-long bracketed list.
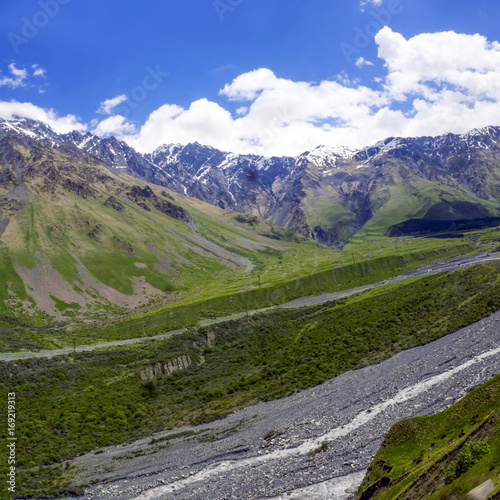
[(197, 303)]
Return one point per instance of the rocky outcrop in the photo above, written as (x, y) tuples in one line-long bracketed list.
[(139, 195), (113, 203), (3, 225), (210, 338), (162, 368), (144, 206), (172, 210), (78, 189)]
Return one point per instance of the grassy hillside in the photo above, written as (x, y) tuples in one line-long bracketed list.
[(443, 456), (79, 241), (106, 256), (223, 303)]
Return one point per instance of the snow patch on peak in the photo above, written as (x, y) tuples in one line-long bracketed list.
[(343, 152), (491, 131), (171, 152), (230, 161), (326, 157), (86, 139), (31, 128), (168, 148)]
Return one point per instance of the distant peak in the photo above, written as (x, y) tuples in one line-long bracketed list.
[(344, 152)]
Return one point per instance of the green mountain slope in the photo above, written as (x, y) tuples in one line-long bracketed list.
[(79, 240), (443, 456), (387, 192)]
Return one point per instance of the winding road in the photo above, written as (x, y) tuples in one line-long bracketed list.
[(453, 265)]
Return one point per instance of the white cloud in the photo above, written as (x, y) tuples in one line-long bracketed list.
[(435, 83), (247, 86), (364, 3), (431, 84), (16, 79), (60, 124), (468, 63), (107, 106), (38, 71), (204, 121), (284, 117), (114, 125), (20, 77), (363, 62)]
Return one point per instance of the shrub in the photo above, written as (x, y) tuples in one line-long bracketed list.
[(469, 456)]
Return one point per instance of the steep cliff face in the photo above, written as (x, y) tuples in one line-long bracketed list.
[(162, 368)]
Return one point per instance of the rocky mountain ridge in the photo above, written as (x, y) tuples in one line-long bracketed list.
[(329, 193)]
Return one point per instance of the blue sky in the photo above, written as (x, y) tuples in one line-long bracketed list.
[(297, 72)]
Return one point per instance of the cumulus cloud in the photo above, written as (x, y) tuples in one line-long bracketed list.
[(248, 86), (468, 63), (107, 106), (60, 124), (282, 116), (431, 84), (434, 83)]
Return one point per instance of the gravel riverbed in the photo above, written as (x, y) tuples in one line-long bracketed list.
[(263, 451)]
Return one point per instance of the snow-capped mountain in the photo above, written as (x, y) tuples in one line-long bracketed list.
[(328, 193)]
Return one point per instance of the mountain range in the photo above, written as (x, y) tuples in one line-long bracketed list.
[(398, 185)]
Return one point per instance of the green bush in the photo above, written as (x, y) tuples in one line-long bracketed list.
[(470, 455)]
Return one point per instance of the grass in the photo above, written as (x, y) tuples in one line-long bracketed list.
[(443, 456), (67, 249), (60, 244), (73, 404), (166, 319), (399, 195)]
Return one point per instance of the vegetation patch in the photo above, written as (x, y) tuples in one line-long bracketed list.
[(470, 455), (443, 456), (247, 219), (62, 306), (320, 449)]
